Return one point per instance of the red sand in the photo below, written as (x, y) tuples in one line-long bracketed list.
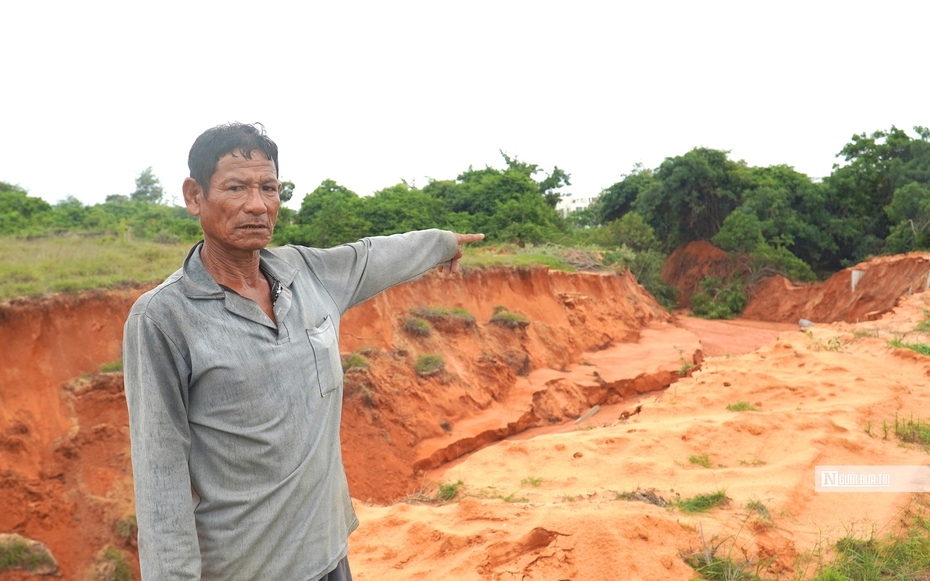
[(539, 492)]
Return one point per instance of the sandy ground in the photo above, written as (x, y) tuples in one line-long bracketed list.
[(545, 505)]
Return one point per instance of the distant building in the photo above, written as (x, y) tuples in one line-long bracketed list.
[(571, 204)]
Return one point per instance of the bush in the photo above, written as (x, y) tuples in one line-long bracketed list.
[(508, 319), (353, 361), (427, 365), (719, 299), (417, 327)]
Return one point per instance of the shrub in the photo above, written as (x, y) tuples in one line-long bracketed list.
[(741, 406), (353, 361), (719, 299), (417, 327), (703, 502), (427, 365), (508, 319), (112, 366), (448, 491)]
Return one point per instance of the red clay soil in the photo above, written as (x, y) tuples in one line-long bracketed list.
[(65, 469), (883, 282), (590, 340), (688, 265)]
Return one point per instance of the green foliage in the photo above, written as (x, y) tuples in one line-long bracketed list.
[(695, 193), (427, 365), (16, 555), (417, 327), (912, 432), (447, 491), (126, 528), (35, 267), (617, 200), (509, 319), (878, 166), (354, 361), (121, 570), (741, 232), (112, 366), (702, 502), (741, 406), (719, 299), (922, 348), (533, 481), (440, 316), (148, 188), (700, 460), (905, 555)]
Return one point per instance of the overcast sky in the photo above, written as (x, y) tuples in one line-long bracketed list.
[(369, 93)]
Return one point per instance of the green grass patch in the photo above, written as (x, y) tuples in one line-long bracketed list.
[(16, 555), (922, 348), (121, 569), (902, 556), (448, 490), (112, 366), (700, 460), (73, 263), (440, 315), (354, 361), (912, 432), (417, 327), (509, 319), (741, 406), (509, 255), (533, 481), (429, 365), (703, 502), (757, 507)]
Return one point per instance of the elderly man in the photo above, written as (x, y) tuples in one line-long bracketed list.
[(234, 380)]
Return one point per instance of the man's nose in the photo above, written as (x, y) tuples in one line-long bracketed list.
[(254, 204)]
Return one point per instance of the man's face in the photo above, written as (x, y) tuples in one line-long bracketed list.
[(239, 211)]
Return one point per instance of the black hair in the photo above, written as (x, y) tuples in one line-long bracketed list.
[(235, 138)]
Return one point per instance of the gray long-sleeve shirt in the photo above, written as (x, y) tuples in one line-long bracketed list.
[(235, 420)]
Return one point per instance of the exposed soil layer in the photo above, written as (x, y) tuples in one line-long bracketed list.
[(880, 283), (539, 493), (688, 265)]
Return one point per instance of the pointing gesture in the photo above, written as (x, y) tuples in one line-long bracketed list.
[(453, 265)]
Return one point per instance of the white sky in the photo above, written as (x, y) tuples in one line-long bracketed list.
[(368, 93)]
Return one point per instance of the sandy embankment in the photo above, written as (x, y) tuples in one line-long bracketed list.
[(539, 493)]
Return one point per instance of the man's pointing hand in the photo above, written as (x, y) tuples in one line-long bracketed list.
[(453, 265)]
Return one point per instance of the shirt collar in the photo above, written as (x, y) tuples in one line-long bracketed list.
[(198, 284)]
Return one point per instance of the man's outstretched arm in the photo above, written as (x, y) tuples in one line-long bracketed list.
[(453, 265)]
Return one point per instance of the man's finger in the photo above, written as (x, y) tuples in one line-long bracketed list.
[(466, 238)]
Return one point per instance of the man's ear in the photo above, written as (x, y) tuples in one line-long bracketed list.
[(193, 196)]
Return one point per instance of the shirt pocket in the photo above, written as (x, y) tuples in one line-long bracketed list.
[(325, 345)]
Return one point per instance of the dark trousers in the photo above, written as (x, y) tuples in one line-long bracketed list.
[(340, 573)]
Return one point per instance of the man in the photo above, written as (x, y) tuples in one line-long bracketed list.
[(234, 379)]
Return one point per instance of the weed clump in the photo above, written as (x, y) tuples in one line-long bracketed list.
[(508, 319), (445, 319), (922, 348), (741, 406), (703, 502), (17, 553), (912, 432), (417, 327), (447, 491), (353, 361), (112, 366), (700, 460), (427, 365)]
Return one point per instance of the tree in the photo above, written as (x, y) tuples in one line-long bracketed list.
[(857, 193), (696, 192), (148, 188), (286, 191), (328, 216), (618, 199)]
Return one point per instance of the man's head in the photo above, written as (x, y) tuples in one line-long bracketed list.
[(238, 139), (237, 164)]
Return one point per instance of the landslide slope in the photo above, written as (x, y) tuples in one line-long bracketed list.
[(64, 447)]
